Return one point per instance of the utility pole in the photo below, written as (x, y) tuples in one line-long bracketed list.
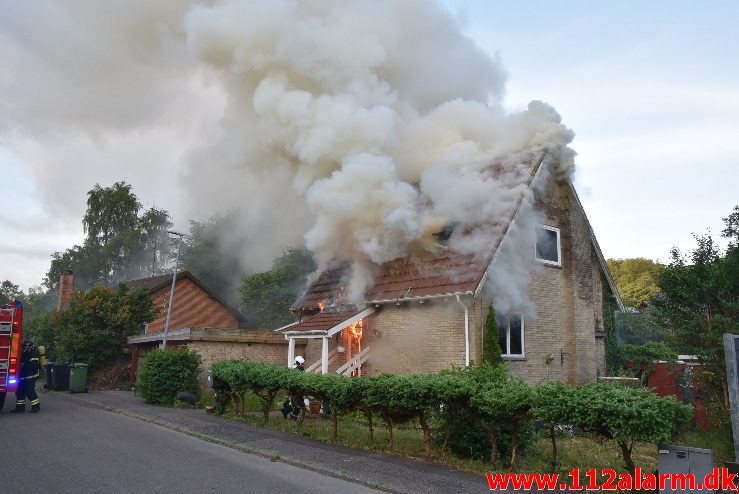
[(171, 291)]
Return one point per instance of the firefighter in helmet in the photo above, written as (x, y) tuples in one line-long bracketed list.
[(294, 403), (27, 384)]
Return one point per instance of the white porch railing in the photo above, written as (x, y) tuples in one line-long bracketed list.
[(316, 366), (354, 363)]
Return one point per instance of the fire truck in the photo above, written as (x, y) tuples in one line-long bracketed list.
[(11, 338)]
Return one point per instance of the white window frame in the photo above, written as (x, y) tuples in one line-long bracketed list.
[(506, 352), (558, 262)]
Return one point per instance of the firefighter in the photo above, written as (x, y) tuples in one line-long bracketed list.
[(294, 403), (27, 384)]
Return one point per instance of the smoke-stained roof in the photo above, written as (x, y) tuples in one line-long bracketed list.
[(421, 274), (446, 272)]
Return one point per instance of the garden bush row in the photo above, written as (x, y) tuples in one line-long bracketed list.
[(499, 404)]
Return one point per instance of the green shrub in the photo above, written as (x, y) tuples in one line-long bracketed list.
[(619, 413), (165, 373), (462, 435), (264, 380), (504, 404)]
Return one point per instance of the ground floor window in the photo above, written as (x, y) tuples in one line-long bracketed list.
[(510, 335)]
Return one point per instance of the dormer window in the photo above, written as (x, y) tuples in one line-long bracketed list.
[(547, 245)]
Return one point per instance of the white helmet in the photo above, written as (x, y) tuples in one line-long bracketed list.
[(300, 360)]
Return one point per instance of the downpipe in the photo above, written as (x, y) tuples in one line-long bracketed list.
[(466, 333)]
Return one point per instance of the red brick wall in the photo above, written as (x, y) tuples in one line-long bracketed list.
[(192, 307), (66, 290)]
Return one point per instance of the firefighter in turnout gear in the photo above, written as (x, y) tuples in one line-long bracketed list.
[(29, 374)]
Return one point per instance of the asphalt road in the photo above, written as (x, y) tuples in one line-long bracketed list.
[(71, 448)]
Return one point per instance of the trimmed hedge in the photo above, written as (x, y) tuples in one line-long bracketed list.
[(502, 406), (165, 373)]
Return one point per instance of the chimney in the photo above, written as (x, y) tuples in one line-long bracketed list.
[(66, 289)]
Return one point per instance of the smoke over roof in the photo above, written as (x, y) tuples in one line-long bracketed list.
[(362, 127)]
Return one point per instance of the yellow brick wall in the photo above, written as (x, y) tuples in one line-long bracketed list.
[(415, 338), (568, 302), (560, 341), (268, 353), (192, 307)]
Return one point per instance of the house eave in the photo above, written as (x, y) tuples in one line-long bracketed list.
[(182, 334), (598, 252), (378, 302), (209, 334)]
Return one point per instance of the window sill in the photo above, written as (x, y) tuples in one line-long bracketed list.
[(549, 263), (513, 357)]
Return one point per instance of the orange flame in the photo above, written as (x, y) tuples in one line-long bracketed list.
[(356, 329)]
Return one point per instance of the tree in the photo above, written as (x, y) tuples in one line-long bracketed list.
[(10, 291), (121, 242), (210, 259), (154, 244), (700, 302), (95, 326), (491, 352), (267, 296), (37, 317), (635, 278)]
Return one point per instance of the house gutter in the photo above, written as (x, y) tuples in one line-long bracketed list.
[(466, 332), (421, 298)]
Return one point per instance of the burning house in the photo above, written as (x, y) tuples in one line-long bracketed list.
[(538, 263), (375, 133)]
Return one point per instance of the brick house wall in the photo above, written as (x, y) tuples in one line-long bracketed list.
[(567, 331), (192, 307), (415, 338), (264, 352), (563, 342), (214, 344)]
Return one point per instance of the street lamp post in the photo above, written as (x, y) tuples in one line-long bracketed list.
[(171, 291)]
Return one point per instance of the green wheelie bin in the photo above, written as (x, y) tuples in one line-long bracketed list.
[(78, 378)]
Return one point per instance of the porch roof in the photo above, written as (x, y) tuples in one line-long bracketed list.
[(325, 323)]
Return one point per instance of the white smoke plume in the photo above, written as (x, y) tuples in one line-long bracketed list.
[(359, 125)]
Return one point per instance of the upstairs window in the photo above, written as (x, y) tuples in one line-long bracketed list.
[(510, 335), (547, 245)]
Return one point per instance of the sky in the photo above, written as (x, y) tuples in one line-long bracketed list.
[(651, 90)]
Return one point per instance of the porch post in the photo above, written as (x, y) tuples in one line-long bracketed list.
[(324, 356), (290, 351), (134, 364)]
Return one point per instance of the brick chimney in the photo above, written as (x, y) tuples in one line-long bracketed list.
[(66, 289)]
